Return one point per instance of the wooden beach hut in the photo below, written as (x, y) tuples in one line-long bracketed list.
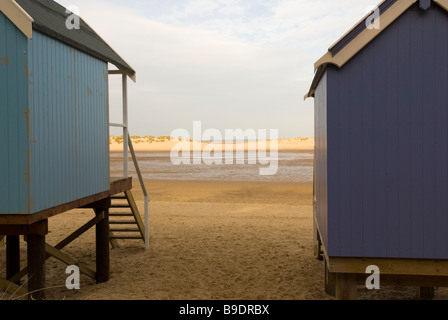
[(381, 154), (54, 133)]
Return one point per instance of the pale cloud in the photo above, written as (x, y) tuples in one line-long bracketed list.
[(219, 62), (200, 7)]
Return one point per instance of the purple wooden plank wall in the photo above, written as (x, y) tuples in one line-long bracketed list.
[(386, 159)]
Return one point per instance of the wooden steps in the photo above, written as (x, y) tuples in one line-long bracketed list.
[(125, 222)]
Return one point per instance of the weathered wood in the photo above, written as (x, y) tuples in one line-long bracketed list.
[(61, 245), (102, 248), (411, 281), (417, 267), (397, 280), (122, 222), (2, 241), (330, 281), (124, 237), (15, 290), (80, 231), (13, 230), (113, 240), (135, 211), (12, 256), (36, 267), (116, 186), (69, 260), (346, 287), (100, 204), (122, 229), (426, 293)]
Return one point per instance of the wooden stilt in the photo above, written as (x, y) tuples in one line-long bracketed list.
[(102, 247), (36, 267), (329, 288), (12, 256), (346, 286), (426, 293)]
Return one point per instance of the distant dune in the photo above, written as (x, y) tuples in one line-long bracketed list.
[(165, 144)]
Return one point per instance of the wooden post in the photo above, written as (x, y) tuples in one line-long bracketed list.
[(36, 260), (12, 256), (426, 293), (329, 287), (102, 247), (346, 286), (125, 125)]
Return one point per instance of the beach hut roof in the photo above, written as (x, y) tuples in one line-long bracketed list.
[(360, 35), (49, 18)]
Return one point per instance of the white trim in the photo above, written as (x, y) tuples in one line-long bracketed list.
[(125, 126), (132, 76), (21, 19), (348, 32), (366, 36), (442, 3)]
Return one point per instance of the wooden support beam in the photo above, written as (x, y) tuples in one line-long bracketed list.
[(100, 204), (36, 267), (69, 261), (24, 229), (80, 231), (117, 186), (102, 247), (329, 282), (12, 256), (15, 290), (397, 280), (113, 241), (426, 293), (2, 241), (346, 287), (417, 267), (116, 72), (61, 245)]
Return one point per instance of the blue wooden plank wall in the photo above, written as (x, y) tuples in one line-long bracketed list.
[(388, 143), (69, 151), (92, 125), (13, 119)]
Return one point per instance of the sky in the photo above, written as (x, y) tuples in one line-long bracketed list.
[(231, 64)]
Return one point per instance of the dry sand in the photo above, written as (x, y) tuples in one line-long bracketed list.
[(209, 240)]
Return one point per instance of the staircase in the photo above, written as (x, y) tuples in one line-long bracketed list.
[(125, 222)]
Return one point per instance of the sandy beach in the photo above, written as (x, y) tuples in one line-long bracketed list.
[(209, 240)]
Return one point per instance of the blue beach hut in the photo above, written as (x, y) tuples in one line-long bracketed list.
[(381, 154), (54, 133), (54, 130)]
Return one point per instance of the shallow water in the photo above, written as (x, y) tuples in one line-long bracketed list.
[(288, 166)]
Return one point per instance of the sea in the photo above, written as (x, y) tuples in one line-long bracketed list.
[(286, 166)]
